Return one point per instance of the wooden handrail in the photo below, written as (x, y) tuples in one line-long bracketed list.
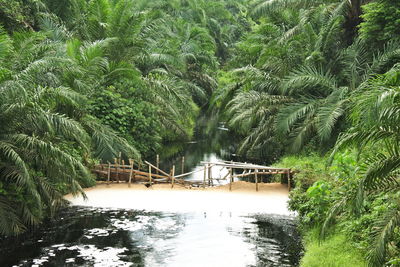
[(163, 172)]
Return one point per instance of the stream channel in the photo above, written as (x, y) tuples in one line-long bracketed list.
[(88, 236)]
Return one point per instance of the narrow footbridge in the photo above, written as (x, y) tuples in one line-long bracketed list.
[(146, 172)]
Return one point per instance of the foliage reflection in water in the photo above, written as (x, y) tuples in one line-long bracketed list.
[(106, 237)]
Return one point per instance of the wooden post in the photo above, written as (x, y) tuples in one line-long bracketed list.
[(209, 174), (288, 179), (130, 172), (211, 179), (134, 173), (116, 169), (173, 176), (109, 173), (183, 164), (119, 158), (205, 176), (150, 175), (158, 162), (231, 179), (256, 180), (123, 168)]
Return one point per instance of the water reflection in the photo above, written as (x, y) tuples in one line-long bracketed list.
[(104, 237)]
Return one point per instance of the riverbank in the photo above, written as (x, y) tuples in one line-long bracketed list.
[(270, 199)]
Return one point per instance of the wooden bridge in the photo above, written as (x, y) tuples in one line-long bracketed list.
[(146, 172)]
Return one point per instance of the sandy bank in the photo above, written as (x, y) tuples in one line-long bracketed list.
[(271, 198)]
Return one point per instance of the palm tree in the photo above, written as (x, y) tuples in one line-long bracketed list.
[(376, 123), (46, 134)]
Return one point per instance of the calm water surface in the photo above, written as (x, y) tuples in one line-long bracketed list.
[(82, 236)]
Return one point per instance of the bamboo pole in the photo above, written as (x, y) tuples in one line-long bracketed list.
[(230, 179), (154, 167), (122, 166), (205, 176), (134, 173), (188, 173), (116, 169), (256, 182), (173, 176), (157, 162), (150, 174), (131, 172), (208, 175), (109, 173), (183, 165)]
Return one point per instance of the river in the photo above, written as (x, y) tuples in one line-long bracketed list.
[(98, 236)]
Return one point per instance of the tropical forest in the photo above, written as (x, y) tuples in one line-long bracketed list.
[(306, 93)]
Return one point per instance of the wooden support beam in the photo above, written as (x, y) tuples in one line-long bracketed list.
[(154, 167), (157, 162), (183, 165), (109, 173), (116, 167), (173, 176), (230, 179), (150, 181), (256, 181), (289, 178), (205, 176), (134, 174), (131, 172)]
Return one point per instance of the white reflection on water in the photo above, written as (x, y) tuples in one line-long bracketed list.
[(207, 242)]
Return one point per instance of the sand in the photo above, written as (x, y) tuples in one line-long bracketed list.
[(270, 199)]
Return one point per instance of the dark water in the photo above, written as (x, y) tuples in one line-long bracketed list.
[(82, 236)]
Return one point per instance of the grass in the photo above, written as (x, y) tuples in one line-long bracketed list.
[(335, 251)]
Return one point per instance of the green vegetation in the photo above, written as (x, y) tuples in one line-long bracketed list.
[(82, 81), (313, 85), (335, 251), (319, 80)]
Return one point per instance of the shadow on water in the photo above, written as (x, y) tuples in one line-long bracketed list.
[(105, 237)]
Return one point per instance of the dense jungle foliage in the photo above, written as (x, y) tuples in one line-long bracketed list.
[(316, 82)]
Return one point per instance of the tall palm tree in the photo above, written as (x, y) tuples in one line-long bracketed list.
[(46, 134), (376, 121)]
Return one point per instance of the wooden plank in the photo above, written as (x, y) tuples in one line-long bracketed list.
[(244, 166), (189, 173), (154, 167)]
